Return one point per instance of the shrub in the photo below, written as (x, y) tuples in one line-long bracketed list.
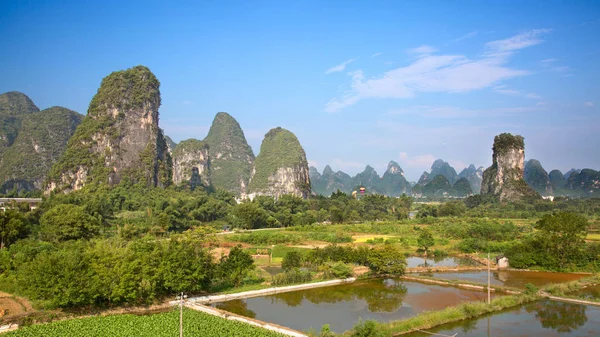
[(295, 275), (291, 260)]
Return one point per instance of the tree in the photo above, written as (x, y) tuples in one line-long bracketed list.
[(564, 232), (425, 240), (68, 222), (291, 260), (387, 261), (12, 227), (236, 265)]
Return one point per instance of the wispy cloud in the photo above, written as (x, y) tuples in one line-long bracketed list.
[(457, 112), (589, 104), (465, 37), (519, 41), (186, 102), (377, 54), (312, 163), (422, 50), (440, 73), (339, 67), (504, 90), (551, 65), (422, 161), (347, 165)]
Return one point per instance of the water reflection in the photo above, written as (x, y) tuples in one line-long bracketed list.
[(542, 318), (238, 306), (560, 316), (381, 295), (510, 278)]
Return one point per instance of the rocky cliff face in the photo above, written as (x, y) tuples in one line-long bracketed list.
[(536, 177), (474, 176), (119, 138), (393, 181), (280, 167), (191, 163), (231, 157), (504, 178)]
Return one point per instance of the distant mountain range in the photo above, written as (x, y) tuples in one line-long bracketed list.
[(443, 181)]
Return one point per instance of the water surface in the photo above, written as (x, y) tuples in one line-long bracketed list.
[(541, 318), (343, 305), (509, 278), (589, 293)]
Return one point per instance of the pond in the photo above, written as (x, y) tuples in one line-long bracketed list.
[(416, 261), (589, 293), (542, 318), (509, 278), (342, 306)]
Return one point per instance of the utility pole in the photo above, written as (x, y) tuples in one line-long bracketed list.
[(489, 295), (181, 297)]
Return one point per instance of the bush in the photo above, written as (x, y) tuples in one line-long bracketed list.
[(336, 270), (369, 328), (291, 260)]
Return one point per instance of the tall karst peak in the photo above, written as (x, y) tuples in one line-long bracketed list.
[(16, 103), (41, 140), (536, 177), (393, 182), (440, 167), (474, 176), (504, 178), (327, 170), (281, 166), (394, 168), (119, 138), (191, 163), (231, 158)]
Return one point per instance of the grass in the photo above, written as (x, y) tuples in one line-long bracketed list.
[(365, 238), (460, 312), (563, 289)]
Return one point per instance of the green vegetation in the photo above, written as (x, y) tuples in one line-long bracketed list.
[(462, 311), (279, 149), (96, 145), (231, 156), (157, 325), (505, 142)]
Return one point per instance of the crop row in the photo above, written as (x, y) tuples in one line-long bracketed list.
[(156, 325)]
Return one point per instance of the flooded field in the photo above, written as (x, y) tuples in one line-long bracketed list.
[(509, 278), (416, 261), (341, 306), (589, 293), (542, 318)]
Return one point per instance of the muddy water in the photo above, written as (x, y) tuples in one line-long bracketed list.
[(341, 306), (589, 293), (542, 318), (510, 278), (415, 261)]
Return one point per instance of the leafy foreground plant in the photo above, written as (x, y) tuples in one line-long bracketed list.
[(157, 325)]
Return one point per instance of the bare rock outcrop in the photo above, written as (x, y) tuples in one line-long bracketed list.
[(504, 178), (119, 138), (191, 162)]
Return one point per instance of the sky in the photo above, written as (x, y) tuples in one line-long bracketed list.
[(358, 82)]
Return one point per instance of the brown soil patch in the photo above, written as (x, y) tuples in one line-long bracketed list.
[(359, 270)]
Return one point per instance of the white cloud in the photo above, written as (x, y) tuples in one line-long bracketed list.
[(465, 37), (377, 54), (312, 163), (422, 161), (339, 67), (440, 73), (422, 50), (519, 41), (504, 90), (347, 165), (550, 64), (589, 104), (457, 164), (456, 112)]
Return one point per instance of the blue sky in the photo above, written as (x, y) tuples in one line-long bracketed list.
[(359, 82)]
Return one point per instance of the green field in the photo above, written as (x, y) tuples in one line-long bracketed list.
[(156, 325)]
